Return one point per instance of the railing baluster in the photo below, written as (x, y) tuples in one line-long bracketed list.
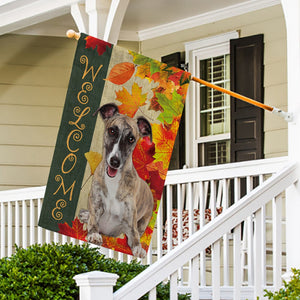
[(55, 237), (173, 286), (237, 189), (179, 228), (215, 261), (159, 230), (277, 240), (64, 239), (48, 240), (121, 256), (152, 294), (169, 217), (39, 229), (194, 282), (249, 183), (237, 267), (149, 254), (17, 223), (24, 224), (202, 219), (2, 224), (32, 223), (258, 288), (190, 208), (212, 200), (9, 229), (225, 237), (263, 246)]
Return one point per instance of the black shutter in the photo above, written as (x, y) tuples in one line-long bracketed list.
[(246, 78), (178, 155)]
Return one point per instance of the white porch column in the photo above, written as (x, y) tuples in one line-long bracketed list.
[(105, 18), (292, 18), (96, 285)]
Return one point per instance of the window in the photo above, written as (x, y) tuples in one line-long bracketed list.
[(208, 110), (214, 112)]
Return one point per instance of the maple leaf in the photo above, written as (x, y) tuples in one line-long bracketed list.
[(94, 159), (121, 73), (143, 71), (92, 42), (171, 108), (176, 76), (156, 184), (76, 231), (143, 156), (185, 78), (131, 102), (163, 138), (139, 59), (159, 167)]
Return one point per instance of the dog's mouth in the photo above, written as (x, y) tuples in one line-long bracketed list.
[(111, 172)]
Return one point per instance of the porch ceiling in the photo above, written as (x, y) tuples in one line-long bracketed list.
[(143, 19)]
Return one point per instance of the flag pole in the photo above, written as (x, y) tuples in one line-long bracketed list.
[(286, 115)]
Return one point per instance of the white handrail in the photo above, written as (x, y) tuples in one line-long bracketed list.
[(210, 233), (23, 194), (231, 170)]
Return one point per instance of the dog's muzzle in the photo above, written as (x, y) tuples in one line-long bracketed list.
[(112, 168)]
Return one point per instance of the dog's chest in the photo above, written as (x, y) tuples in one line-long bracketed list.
[(114, 209)]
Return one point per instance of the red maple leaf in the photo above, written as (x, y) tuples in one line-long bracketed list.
[(92, 42), (76, 231), (156, 184), (176, 76), (142, 156)]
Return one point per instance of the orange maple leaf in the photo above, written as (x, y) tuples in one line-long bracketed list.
[(131, 102), (121, 73), (76, 231)]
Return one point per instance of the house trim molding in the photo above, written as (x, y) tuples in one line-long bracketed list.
[(206, 18)]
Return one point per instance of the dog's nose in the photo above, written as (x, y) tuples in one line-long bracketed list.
[(115, 162)]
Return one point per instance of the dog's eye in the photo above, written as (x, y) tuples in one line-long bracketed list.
[(131, 140), (112, 131)]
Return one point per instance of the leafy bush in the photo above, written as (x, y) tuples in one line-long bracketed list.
[(290, 291), (47, 271)]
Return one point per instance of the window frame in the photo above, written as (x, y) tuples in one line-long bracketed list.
[(196, 51)]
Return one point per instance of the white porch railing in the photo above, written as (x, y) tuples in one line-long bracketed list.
[(187, 191), (252, 205)]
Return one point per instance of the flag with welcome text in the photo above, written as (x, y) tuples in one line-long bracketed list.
[(114, 145)]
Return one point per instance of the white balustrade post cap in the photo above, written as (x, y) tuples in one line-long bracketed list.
[(96, 278)]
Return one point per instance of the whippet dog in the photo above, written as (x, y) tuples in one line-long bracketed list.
[(119, 200)]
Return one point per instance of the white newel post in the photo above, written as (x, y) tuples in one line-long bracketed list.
[(96, 285), (292, 18)]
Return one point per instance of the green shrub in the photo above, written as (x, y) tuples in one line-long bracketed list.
[(46, 272), (290, 291)]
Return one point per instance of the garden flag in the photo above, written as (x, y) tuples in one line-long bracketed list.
[(119, 123)]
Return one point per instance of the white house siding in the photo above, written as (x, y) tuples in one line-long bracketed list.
[(271, 23), (34, 75)]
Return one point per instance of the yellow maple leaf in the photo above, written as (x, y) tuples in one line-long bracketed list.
[(164, 138), (94, 159)]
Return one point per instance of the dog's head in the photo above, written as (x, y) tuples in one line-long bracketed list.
[(120, 136)]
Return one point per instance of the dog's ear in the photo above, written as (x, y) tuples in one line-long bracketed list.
[(144, 127), (107, 111)]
